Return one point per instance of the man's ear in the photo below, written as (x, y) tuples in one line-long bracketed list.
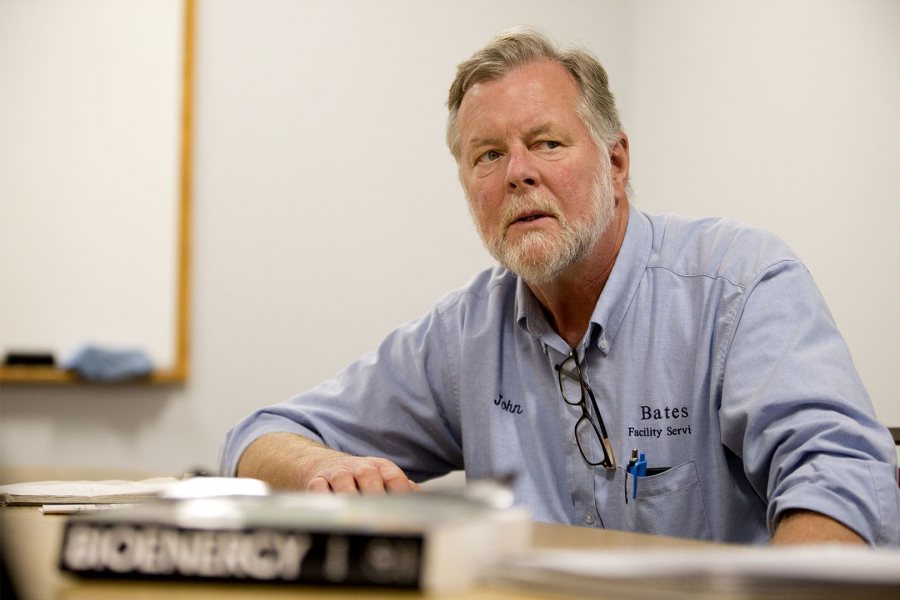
[(619, 163)]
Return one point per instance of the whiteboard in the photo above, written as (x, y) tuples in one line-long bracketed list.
[(91, 186)]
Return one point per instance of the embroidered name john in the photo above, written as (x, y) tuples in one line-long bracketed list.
[(510, 407)]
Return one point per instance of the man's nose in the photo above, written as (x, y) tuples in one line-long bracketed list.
[(521, 172)]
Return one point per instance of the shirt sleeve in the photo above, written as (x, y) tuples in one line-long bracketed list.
[(795, 410), (399, 402)]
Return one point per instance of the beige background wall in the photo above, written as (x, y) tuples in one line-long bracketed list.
[(327, 209)]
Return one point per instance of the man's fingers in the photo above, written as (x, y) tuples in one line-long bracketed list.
[(343, 482), (318, 484), (357, 474), (395, 480), (369, 479)]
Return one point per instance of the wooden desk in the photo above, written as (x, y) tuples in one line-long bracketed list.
[(31, 542)]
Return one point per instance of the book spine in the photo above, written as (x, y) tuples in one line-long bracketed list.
[(271, 555)]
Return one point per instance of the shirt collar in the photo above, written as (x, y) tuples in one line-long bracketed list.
[(626, 275), (617, 294), (529, 312)]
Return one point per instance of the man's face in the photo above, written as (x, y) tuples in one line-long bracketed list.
[(539, 189)]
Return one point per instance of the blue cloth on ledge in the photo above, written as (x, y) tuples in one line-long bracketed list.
[(105, 364)]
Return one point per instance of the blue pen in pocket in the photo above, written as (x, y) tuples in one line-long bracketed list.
[(637, 467)]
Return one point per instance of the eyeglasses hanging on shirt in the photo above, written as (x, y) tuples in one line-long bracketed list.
[(590, 432)]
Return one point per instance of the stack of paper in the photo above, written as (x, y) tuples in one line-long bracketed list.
[(83, 492), (63, 497), (821, 572)]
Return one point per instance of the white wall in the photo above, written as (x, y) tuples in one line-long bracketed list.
[(784, 115), (327, 209)]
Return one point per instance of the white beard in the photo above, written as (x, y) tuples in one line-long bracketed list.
[(540, 256)]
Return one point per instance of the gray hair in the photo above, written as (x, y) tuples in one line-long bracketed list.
[(520, 46)]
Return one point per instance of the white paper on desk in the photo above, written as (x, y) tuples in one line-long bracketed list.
[(71, 509), (83, 492), (780, 571)]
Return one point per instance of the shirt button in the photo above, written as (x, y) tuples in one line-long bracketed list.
[(604, 344), (589, 518)]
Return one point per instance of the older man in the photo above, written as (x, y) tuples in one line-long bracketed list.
[(609, 341)]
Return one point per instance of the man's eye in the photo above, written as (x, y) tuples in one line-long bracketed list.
[(550, 144), (489, 156)]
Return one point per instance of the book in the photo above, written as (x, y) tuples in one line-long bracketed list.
[(427, 541)]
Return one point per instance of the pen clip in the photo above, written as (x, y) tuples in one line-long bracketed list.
[(632, 460), (638, 469), (628, 470)]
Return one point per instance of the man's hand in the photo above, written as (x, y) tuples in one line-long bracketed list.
[(292, 462), (345, 473), (808, 527)]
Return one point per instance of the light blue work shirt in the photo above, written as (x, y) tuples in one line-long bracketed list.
[(710, 350)]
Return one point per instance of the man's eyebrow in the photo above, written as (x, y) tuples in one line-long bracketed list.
[(483, 141), (540, 130), (548, 129)]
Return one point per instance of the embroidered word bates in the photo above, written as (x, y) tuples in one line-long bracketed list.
[(659, 418)]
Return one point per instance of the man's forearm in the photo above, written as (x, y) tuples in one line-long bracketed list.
[(292, 462), (281, 459), (808, 527)]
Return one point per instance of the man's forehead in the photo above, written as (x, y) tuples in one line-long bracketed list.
[(525, 95), (534, 77)]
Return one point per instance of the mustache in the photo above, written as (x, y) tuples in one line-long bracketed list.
[(532, 202)]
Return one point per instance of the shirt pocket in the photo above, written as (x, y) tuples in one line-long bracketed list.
[(669, 503)]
